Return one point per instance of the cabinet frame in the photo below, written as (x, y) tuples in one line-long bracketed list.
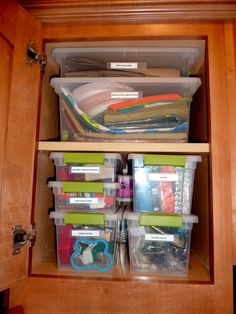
[(60, 295)]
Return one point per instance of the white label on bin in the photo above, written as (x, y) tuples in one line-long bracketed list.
[(85, 233), (159, 237), (115, 95), (123, 65), (76, 169), (163, 177), (83, 200)]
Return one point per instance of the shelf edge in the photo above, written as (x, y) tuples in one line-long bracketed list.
[(124, 147)]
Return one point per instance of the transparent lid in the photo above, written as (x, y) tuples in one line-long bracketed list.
[(167, 220), (75, 186), (84, 158), (181, 58), (184, 86), (188, 161), (85, 218)]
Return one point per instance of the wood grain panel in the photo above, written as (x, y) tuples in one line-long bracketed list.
[(88, 297), (128, 11), (17, 28), (230, 39)]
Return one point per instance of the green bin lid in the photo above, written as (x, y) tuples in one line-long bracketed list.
[(82, 187), (83, 158), (162, 220), (84, 218), (164, 160)]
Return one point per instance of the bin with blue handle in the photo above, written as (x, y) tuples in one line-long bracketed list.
[(86, 241)]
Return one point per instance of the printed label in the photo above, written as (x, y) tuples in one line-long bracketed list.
[(76, 169), (83, 200), (115, 95), (85, 233), (163, 177), (123, 65), (159, 237)]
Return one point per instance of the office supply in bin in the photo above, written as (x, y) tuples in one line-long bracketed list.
[(159, 244), (163, 183), (125, 193), (87, 196)]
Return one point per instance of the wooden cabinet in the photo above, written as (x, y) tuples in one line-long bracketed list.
[(29, 121)]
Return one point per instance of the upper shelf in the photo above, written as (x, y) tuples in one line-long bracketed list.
[(125, 147)]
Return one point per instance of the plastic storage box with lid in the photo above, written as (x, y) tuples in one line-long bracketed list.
[(86, 241), (163, 183), (158, 108), (87, 166), (121, 61), (159, 244), (75, 196)]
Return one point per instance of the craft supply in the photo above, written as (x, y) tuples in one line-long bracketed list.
[(91, 254)]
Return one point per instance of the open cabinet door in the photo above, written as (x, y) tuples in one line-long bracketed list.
[(19, 90)]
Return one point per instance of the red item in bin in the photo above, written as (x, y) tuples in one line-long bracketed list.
[(65, 245), (166, 190)]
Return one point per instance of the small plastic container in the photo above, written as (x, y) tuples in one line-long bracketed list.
[(88, 196), (125, 193), (163, 183), (159, 244), (101, 167), (86, 241)]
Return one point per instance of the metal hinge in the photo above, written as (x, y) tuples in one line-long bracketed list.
[(21, 237), (34, 57)]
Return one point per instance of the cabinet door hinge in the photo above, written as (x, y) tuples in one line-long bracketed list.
[(21, 237), (32, 56)]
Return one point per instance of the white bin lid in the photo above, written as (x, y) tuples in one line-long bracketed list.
[(185, 86), (106, 185), (107, 215), (59, 156), (190, 161), (185, 219), (182, 58)]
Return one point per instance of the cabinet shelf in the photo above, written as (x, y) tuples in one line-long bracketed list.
[(125, 147), (198, 272)]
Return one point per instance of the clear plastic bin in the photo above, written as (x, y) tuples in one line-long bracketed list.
[(101, 167), (86, 241), (76, 196), (159, 244), (163, 183), (115, 61), (87, 109)]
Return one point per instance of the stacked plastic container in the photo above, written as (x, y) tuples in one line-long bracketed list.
[(85, 203), (160, 227), (86, 241), (132, 93), (125, 93)]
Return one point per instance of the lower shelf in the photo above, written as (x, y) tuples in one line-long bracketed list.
[(197, 271)]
